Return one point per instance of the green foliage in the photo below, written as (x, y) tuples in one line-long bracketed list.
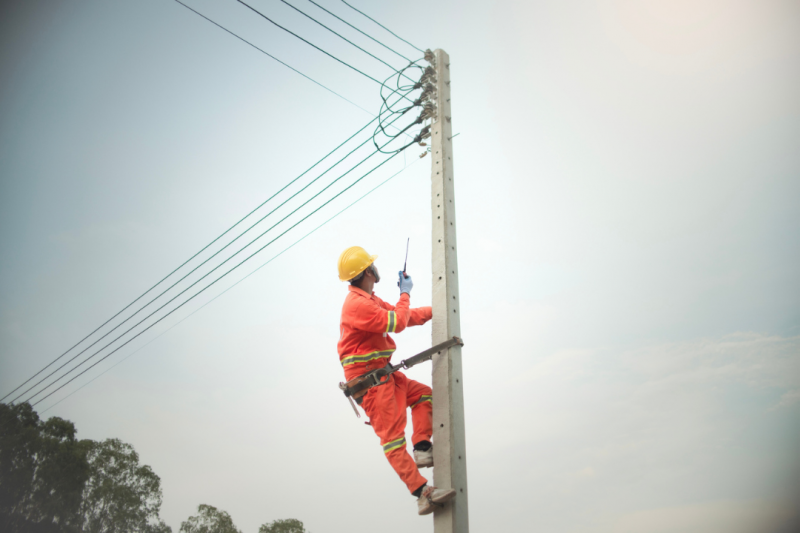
[(158, 527), (120, 496), (43, 469), (289, 525), (209, 520), (52, 483)]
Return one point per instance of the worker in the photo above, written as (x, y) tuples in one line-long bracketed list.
[(365, 345)]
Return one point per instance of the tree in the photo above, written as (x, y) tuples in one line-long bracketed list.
[(120, 495), (52, 483), (43, 469), (209, 520), (158, 527), (289, 525)]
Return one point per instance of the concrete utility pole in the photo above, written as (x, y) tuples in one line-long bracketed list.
[(449, 452)]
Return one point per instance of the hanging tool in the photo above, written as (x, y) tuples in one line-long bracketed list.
[(356, 388), (343, 386)]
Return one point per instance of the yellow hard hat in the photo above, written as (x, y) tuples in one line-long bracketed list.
[(353, 262)]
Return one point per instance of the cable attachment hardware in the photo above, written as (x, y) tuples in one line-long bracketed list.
[(428, 111), (397, 101), (428, 92), (430, 57), (428, 76), (423, 134)]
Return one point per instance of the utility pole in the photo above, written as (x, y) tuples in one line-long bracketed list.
[(449, 451)]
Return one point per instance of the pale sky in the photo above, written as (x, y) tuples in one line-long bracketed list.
[(627, 177)]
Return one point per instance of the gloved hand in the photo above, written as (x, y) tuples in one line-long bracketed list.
[(405, 283)]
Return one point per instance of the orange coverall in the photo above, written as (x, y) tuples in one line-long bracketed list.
[(365, 345)]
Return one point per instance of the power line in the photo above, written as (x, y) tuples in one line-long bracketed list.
[(278, 60), (181, 266), (344, 38), (216, 239), (184, 290), (273, 57), (298, 241), (308, 42), (213, 282), (200, 265), (428, 108), (382, 26), (359, 31)]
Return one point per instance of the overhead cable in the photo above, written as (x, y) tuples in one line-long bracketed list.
[(273, 57), (359, 31), (382, 26), (343, 37), (426, 101), (200, 265), (298, 241), (217, 238), (187, 288), (307, 42), (185, 262), (215, 281)]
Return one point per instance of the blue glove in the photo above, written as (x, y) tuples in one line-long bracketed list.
[(405, 284)]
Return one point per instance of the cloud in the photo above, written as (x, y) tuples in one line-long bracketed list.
[(713, 517), (789, 398), (643, 439), (750, 358)]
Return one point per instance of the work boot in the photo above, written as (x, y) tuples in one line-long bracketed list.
[(424, 458), (431, 497)]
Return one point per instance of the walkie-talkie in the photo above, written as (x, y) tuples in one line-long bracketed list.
[(406, 261)]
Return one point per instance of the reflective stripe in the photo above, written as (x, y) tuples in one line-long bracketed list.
[(395, 444), (353, 359), (391, 322), (423, 398)]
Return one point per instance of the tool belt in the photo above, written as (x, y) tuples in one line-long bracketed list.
[(356, 388)]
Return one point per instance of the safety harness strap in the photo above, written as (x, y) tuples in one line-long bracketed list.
[(357, 387)]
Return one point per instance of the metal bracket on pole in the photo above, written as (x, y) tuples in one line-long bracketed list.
[(429, 353)]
